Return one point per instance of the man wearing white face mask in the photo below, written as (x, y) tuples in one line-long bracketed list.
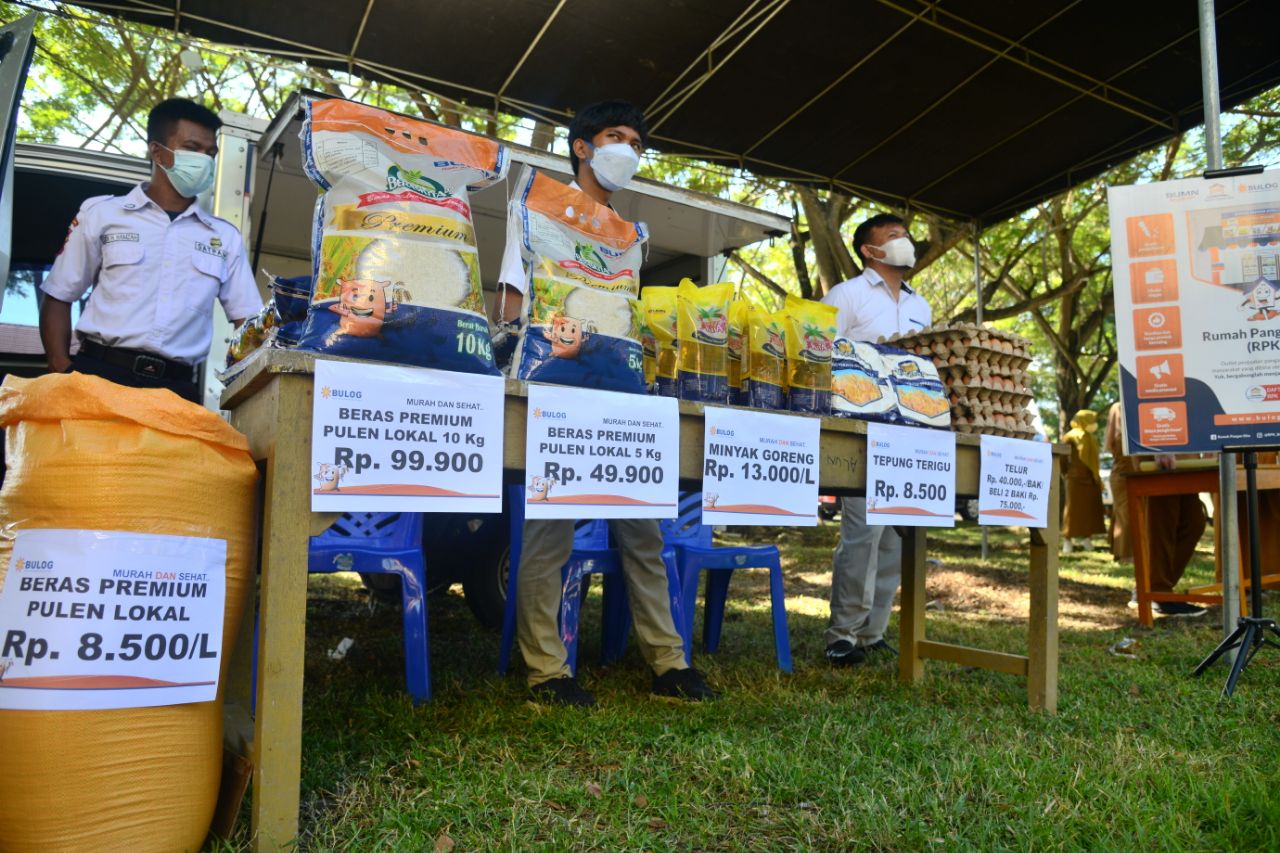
[(605, 143), (156, 261), (867, 564)]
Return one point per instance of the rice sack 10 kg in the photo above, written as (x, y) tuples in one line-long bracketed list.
[(702, 332), (922, 398), (582, 303), (811, 332), (659, 306), (394, 250), (766, 359), (860, 386), (737, 351)]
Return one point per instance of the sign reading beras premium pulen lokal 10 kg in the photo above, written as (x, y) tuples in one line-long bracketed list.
[(759, 468), (405, 439)]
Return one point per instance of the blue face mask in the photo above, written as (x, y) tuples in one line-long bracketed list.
[(191, 172)]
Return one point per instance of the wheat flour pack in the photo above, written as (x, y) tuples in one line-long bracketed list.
[(394, 248), (582, 303), (922, 398), (860, 386), (702, 327)]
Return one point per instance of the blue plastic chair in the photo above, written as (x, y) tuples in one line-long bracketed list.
[(385, 543), (691, 541), (593, 553)]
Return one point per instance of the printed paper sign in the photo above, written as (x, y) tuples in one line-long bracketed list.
[(911, 476), (93, 619), (759, 468), (599, 454), (1198, 312), (405, 439), (1015, 478)]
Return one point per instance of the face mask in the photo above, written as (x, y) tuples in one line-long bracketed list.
[(191, 172), (899, 252), (614, 164)]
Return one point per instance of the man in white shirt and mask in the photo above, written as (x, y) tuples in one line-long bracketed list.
[(605, 144), (867, 564)]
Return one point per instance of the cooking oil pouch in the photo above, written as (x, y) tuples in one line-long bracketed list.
[(860, 386), (649, 347), (660, 317), (582, 303), (766, 359), (702, 332), (736, 352), (292, 296), (810, 332), (922, 398), (394, 247)]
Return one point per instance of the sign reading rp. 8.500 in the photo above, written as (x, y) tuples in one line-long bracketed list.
[(402, 439), (910, 476)]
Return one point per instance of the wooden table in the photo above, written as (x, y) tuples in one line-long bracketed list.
[(270, 402), (1193, 481)]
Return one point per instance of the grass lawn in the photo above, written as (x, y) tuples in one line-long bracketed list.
[(1139, 756)]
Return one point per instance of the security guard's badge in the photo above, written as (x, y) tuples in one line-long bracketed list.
[(213, 247), (121, 237)]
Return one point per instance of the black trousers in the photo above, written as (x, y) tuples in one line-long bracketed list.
[(184, 388)]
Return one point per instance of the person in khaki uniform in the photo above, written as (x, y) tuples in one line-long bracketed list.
[(1082, 514), (605, 144), (1121, 467)]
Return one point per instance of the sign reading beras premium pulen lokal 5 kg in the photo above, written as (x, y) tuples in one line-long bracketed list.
[(1197, 289)]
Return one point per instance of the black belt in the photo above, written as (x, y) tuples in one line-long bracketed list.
[(144, 364)]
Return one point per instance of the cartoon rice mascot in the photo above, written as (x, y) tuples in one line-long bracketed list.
[(363, 306), (540, 489), (567, 335), (329, 476)]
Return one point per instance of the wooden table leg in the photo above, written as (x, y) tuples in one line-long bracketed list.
[(911, 618), (1141, 557), (282, 612), (1042, 645)]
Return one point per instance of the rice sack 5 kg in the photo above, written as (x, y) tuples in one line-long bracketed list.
[(702, 332), (737, 351), (811, 332), (659, 305), (394, 249), (766, 359), (922, 398), (582, 303), (860, 386)]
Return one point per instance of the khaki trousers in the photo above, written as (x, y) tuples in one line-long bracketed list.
[(546, 548), (866, 571), (1175, 524)]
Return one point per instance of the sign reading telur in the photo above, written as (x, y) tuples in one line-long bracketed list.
[(1014, 488), (759, 468), (95, 619), (911, 476), (1197, 289), (598, 454), (405, 439)]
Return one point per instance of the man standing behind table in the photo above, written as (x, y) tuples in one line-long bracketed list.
[(867, 565), (156, 261), (605, 144)]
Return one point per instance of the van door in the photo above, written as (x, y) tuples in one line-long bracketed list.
[(17, 45)]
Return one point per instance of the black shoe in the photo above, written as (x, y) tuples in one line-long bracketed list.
[(845, 653), (879, 649), (1179, 610), (562, 691), (688, 684)]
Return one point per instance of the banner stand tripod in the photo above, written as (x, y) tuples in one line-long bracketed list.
[(1253, 631)]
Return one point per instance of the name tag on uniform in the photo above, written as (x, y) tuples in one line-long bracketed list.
[(208, 249), (118, 237)]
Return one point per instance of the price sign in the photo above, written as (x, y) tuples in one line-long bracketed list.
[(911, 476), (405, 439), (759, 468), (1015, 482), (95, 619), (598, 454)]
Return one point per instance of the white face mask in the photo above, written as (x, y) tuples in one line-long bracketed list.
[(898, 252), (614, 164), (191, 172)]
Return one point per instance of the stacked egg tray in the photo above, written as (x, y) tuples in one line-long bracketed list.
[(985, 373)]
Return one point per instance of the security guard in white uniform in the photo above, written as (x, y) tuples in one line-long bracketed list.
[(156, 261)]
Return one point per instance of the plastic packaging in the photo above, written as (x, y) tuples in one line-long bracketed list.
[(702, 332), (810, 331), (860, 386), (737, 351), (394, 251), (660, 316), (582, 302), (922, 398), (766, 359)]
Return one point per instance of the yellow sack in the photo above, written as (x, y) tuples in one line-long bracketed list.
[(766, 359), (84, 453), (737, 352), (702, 332), (811, 333), (660, 317)]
